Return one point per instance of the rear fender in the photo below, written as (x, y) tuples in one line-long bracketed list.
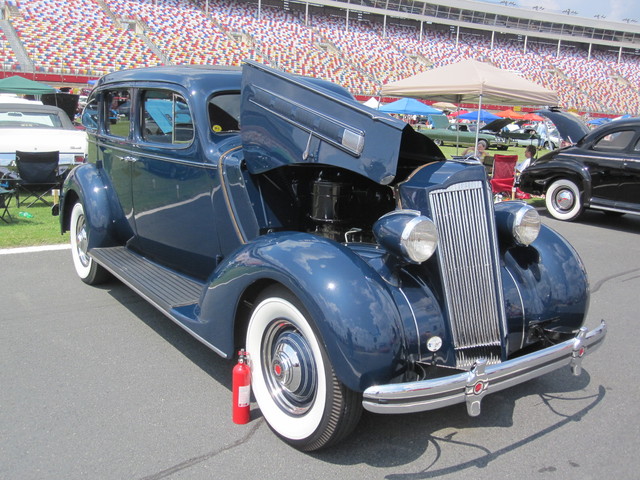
[(353, 311)]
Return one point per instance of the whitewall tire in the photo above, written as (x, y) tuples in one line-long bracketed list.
[(86, 268), (563, 200), (292, 378)]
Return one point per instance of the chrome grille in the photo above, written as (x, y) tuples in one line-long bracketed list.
[(468, 263)]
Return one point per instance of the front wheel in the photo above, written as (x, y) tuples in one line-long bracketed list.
[(87, 269), (563, 200), (292, 379)]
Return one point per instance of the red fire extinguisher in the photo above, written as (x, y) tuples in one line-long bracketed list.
[(241, 390)]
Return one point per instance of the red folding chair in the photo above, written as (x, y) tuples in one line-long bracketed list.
[(503, 177)]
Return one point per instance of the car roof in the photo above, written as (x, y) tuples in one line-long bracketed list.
[(614, 125), (25, 107), (46, 109), (199, 76), (188, 76)]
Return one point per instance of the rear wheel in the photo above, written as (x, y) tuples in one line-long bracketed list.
[(563, 200), (86, 268), (484, 143), (292, 379), (438, 142)]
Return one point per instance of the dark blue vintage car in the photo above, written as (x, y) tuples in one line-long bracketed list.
[(357, 266)]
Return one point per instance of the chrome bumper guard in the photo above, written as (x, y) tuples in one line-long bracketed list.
[(481, 379)]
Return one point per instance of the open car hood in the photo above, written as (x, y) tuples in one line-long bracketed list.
[(287, 119), (569, 127), (496, 125)]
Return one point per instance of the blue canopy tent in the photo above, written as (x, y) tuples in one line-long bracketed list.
[(480, 116), (599, 121), (409, 106)]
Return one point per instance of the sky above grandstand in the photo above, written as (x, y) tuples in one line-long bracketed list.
[(613, 10)]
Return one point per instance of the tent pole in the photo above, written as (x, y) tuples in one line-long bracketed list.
[(478, 123)]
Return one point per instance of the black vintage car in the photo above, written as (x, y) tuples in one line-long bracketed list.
[(601, 171), (357, 267)]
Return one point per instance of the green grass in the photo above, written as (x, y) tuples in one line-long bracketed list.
[(42, 229)]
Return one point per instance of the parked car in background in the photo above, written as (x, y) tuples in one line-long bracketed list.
[(522, 137), (39, 128), (274, 213), (463, 134), (601, 171)]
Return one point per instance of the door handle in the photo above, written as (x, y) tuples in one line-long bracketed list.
[(130, 159)]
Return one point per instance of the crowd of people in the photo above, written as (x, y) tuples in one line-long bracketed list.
[(88, 37)]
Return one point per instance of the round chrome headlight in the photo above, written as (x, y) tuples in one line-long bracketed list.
[(407, 234), (419, 239), (526, 225)]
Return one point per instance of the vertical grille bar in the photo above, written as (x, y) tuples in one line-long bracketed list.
[(469, 270)]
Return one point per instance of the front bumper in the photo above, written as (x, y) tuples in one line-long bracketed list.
[(472, 386)]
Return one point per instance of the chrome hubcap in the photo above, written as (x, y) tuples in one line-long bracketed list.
[(565, 199), (289, 368), (81, 242)]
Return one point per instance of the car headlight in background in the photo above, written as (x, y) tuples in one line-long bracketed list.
[(518, 221), (407, 234)]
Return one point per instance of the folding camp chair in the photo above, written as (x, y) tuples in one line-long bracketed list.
[(503, 177), (6, 195), (38, 174)]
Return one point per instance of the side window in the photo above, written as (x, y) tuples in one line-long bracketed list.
[(224, 113), (117, 112), (90, 114), (166, 118), (637, 147), (615, 142)]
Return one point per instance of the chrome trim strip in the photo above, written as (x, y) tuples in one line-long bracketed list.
[(593, 157), (130, 151), (481, 379), (612, 209), (415, 322)]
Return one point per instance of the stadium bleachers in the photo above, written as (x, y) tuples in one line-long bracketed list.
[(94, 37)]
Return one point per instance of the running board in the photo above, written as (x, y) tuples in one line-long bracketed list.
[(162, 287)]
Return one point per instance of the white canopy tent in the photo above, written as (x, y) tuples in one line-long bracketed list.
[(470, 81)]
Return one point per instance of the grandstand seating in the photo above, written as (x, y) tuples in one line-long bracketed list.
[(94, 37)]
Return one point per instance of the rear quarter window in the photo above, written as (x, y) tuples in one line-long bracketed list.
[(166, 118)]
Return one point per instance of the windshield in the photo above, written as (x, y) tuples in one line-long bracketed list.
[(29, 120)]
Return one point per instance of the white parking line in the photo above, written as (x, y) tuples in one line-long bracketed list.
[(40, 248)]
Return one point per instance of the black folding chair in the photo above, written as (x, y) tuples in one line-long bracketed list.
[(38, 174), (6, 195)]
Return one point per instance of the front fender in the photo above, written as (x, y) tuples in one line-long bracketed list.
[(538, 177), (545, 285), (350, 305), (85, 184)]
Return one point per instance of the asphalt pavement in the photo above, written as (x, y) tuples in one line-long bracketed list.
[(96, 384)]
